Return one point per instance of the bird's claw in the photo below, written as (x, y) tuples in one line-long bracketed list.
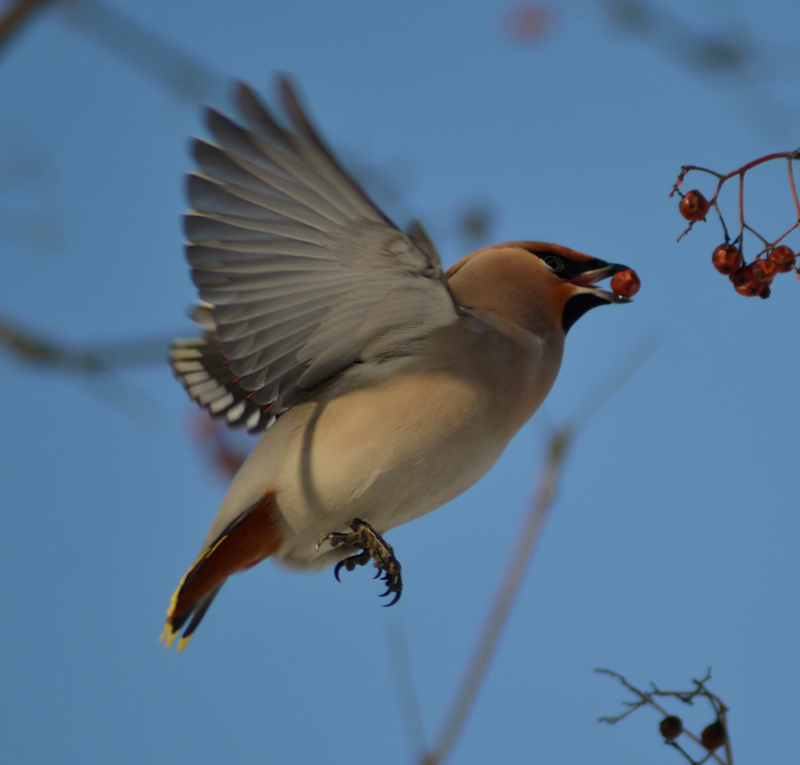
[(359, 559), (374, 548)]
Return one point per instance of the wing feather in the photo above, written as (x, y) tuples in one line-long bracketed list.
[(302, 272)]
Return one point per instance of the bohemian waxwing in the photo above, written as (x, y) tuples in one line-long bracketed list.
[(385, 386)]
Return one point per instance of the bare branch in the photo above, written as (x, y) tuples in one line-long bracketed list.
[(700, 691), (753, 279)]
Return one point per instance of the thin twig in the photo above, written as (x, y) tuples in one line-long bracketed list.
[(790, 155), (700, 691), (754, 232), (772, 245), (721, 220)]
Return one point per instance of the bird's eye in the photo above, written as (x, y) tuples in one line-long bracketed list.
[(555, 263)]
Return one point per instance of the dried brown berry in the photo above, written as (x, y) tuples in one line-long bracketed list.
[(745, 282), (626, 283), (694, 206), (726, 259), (764, 270), (783, 257), (671, 727), (713, 736)]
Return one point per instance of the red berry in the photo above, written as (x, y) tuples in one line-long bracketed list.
[(726, 259), (783, 257), (626, 283), (764, 270), (745, 282), (694, 206), (713, 736)]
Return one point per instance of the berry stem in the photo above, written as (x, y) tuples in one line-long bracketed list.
[(741, 212), (688, 229), (773, 245), (794, 156), (753, 231), (722, 221)]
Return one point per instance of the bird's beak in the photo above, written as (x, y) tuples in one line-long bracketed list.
[(599, 271)]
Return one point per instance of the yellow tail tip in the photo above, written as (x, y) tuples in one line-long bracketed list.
[(183, 642), (168, 637)]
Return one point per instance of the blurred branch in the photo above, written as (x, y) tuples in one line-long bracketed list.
[(100, 358), (711, 52), (19, 164), (22, 166), (185, 77), (557, 452), (94, 365), (407, 695), (39, 231), (222, 448), (526, 23), (561, 440), (16, 17), (617, 378), (37, 350), (730, 52)]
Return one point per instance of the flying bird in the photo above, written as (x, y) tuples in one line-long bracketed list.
[(384, 386)]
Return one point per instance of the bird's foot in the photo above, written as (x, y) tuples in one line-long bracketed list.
[(374, 548)]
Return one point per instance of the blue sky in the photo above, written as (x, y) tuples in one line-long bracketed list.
[(673, 543)]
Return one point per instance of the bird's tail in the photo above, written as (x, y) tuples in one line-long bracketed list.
[(247, 540)]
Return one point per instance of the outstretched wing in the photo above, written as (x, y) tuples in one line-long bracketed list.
[(305, 274)]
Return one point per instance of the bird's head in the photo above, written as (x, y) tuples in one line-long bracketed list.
[(539, 286)]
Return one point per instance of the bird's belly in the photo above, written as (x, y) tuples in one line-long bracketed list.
[(387, 455)]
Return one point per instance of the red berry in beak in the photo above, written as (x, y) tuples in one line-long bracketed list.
[(783, 257), (726, 259), (626, 283), (694, 206)]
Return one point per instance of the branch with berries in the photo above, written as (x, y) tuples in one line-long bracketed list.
[(711, 739), (749, 279)]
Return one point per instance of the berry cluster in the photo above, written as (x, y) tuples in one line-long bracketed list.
[(711, 739), (752, 279), (714, 736), (749, 279)]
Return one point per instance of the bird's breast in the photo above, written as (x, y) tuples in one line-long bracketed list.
[(390, 452)]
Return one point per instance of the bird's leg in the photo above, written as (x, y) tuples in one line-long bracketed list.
[(373, 547)]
